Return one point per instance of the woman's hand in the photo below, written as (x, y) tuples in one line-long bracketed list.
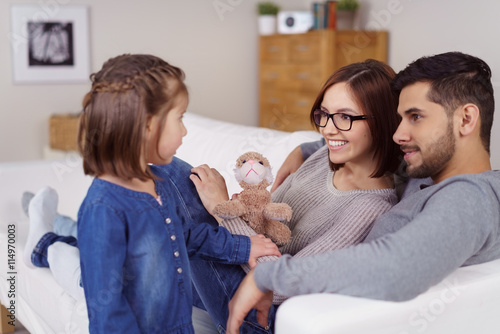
[(211, 187), (261, 246)]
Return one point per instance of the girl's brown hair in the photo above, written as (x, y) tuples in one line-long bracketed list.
[(125, 94), (370, 85)]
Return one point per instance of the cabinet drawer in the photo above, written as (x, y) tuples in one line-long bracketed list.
[(272, 102), (304, 78), (274, 76), (300, 103), (285, 122), (291, 49), (305, 49), (273, 49), (286, 111)]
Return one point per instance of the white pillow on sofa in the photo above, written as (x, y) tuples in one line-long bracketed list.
[(219, 144)]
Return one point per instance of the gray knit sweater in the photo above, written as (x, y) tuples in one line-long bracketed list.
[(415, 245), (324, 218)]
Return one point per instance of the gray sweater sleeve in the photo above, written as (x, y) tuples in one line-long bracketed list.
[(309, 148), (414, 246)]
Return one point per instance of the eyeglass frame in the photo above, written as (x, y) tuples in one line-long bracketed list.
[(330, 116)]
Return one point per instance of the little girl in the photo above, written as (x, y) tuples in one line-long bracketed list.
[(135, 232)]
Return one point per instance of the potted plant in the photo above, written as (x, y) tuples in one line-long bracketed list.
[(346, 9), (267, 17)]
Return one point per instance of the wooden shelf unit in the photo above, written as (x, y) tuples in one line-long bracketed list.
[(293, 68)]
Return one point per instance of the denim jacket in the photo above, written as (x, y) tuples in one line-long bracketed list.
[(135, 253)]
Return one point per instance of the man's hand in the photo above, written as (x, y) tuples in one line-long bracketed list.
[(210, 185), (289, 166), (261, 246), (248, 296)]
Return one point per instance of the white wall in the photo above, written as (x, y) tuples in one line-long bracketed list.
[(219, 53), (214, 41)]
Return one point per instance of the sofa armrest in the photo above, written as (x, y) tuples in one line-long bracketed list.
[(467, 301)]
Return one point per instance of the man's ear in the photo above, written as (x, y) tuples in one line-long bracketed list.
[(469, 119)]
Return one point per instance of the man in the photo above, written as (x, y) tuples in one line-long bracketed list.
[(446, 106)]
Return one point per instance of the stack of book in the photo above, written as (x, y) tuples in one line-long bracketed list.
[(325, 15)]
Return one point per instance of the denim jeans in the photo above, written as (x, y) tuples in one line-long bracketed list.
[(216, 283), (39, 254)]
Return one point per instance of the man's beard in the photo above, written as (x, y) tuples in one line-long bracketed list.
[(439, 154)]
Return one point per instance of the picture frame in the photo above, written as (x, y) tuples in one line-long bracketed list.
[(50, 44)]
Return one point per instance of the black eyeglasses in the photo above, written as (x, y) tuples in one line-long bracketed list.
[(342, 122)]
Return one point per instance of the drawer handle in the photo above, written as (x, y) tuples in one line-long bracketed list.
[(302, 48), (272, 75), (273, 100), (302, 76), (302, 103), (273, 49)]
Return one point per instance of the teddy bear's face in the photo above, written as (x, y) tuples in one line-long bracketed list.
[(252, 171), (253, 168)]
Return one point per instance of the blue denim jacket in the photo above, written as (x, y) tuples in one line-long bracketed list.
[(135, 253)]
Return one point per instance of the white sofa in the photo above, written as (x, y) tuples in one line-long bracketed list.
[(465, 302), (41, 305)]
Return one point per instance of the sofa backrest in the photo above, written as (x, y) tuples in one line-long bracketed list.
[(65, 176), (219, 144), (210, 141)]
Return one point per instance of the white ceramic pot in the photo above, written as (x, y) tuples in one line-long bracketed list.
[(267, 24), (345, 19)]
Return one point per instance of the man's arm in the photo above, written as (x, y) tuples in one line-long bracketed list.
[(447, 227), (310, 148), (396, 266)]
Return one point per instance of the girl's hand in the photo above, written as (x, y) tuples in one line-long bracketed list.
[(261, 246), (210, 185)]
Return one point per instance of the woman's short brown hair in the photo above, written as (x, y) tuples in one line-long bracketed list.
[(370, 85), (125, 94)]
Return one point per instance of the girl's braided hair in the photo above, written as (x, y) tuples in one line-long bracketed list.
[(125, 94)]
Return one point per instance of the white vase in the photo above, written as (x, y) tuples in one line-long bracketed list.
[(267, 24), (345, 19)]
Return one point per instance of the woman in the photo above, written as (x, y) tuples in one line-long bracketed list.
[(335, 195)]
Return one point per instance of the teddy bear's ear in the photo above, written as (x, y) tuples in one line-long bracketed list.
[(237, 174), (269, 175)]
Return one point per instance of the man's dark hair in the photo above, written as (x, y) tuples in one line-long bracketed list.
[(456, 79)]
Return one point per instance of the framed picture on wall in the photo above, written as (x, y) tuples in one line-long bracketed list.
[(49, 44)]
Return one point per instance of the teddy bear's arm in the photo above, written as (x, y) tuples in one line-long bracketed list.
[(278, 211), (230, 209)]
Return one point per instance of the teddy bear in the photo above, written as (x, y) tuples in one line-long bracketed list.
[(253, 204)]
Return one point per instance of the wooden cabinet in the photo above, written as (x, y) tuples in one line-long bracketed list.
[(293, 68)]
